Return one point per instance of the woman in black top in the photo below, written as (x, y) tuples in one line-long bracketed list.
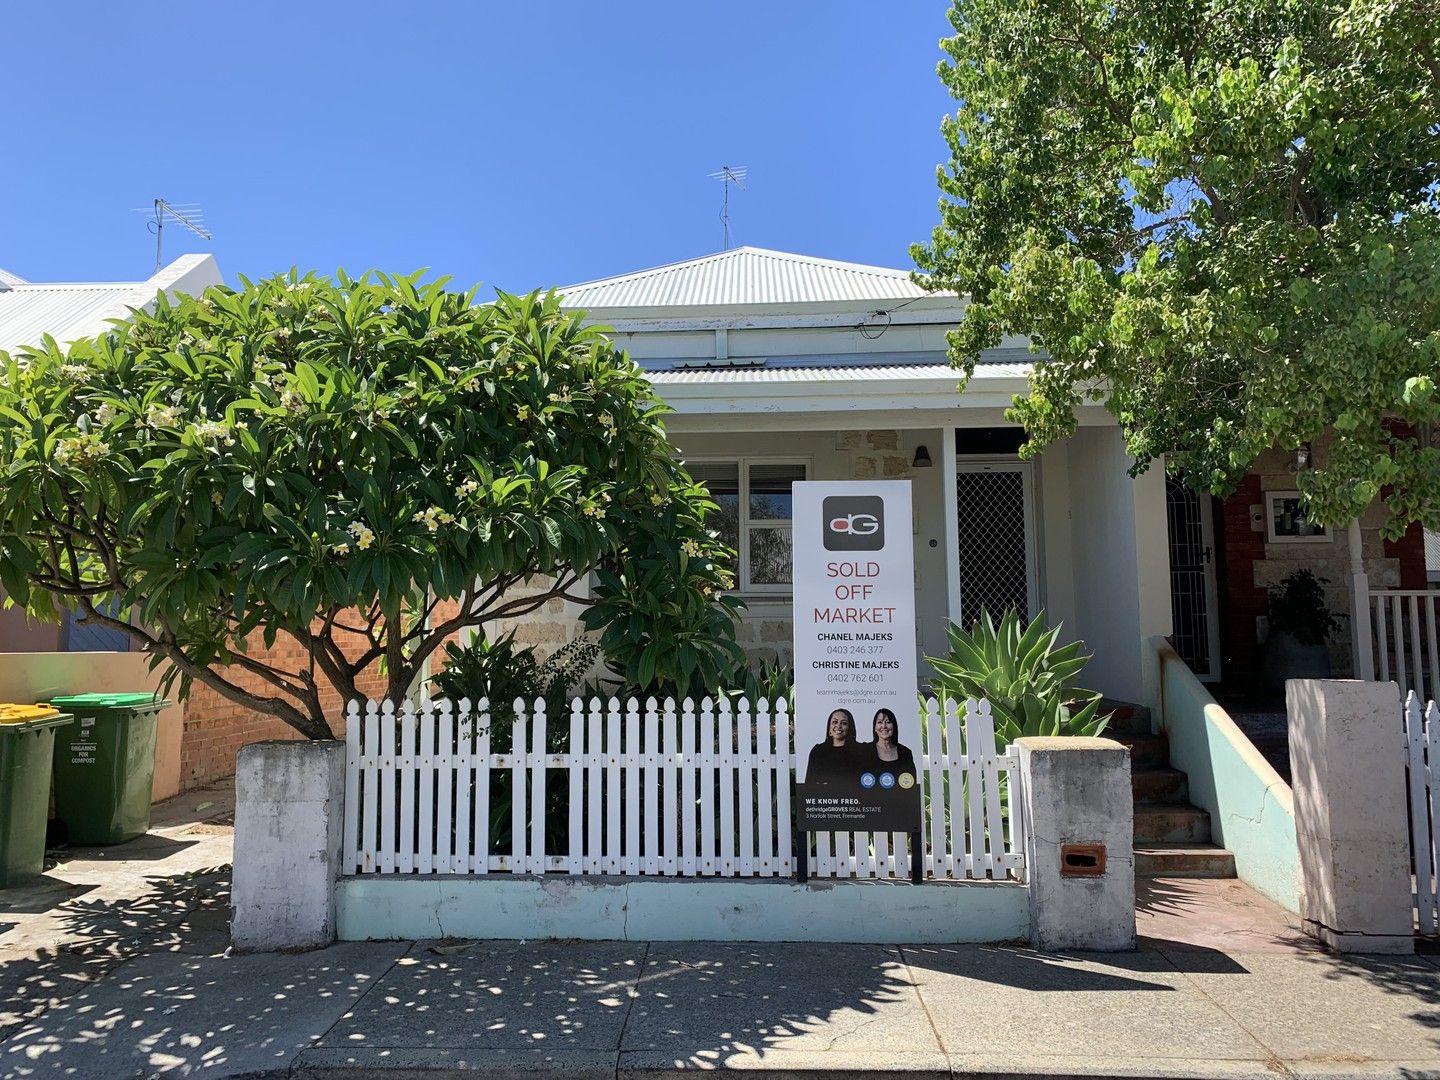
[(836, 760), (887, 753)]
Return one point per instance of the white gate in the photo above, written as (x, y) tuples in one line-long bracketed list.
[(654, 789), (1422, 762)]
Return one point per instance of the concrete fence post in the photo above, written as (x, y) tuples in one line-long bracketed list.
[(289, 810), (1079, 843), (1346, 743)]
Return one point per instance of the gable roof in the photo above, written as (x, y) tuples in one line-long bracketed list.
[(745, 277), (70, 310)]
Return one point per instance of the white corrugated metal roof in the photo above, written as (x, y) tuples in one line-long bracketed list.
[(745, 277), (7, 279), (70, 310), (66, 312), (898, 373)]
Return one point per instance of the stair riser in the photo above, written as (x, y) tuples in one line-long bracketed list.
[(1176, 828), (1147, 751), (1159, 786), (1126, 718), (1220, 864)]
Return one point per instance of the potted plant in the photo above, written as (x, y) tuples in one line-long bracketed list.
[(1300, 628)]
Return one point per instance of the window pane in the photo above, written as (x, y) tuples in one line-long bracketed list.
[(770, 491), (722, 480), (770, 555)]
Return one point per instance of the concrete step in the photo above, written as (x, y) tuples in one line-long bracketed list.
[(1146, 751), (1178, 823), (1126, 718), (1159, 786), (1183, 860)]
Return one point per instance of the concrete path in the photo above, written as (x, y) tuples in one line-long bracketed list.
[(115, 965)]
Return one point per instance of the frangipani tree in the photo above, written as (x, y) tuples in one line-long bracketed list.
[(334, 462), (1221, 218)]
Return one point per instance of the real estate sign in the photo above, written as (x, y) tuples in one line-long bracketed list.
[(857, 725)]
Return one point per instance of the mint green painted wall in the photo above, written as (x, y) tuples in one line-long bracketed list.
[(645, 909), (1252, 811)]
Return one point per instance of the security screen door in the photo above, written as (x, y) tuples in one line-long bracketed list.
[(1193, 593), (994, 501)]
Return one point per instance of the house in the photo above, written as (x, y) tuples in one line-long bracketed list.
[(782, 367), (41, 659)]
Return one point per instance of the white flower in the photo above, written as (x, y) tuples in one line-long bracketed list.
[(469, 487), (74, 372), (364, 536), (81, 450), (691, 548), (215, 432), (162, 416), (105, 413), (340, 549), (433, 518)]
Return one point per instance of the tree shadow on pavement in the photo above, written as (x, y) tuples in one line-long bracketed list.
[(179, 1014), (81, 940), (1414, 977)]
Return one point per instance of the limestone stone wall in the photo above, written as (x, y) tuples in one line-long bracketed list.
[(765, 631)]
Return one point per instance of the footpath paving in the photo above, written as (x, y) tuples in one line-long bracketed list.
[(116, 965)]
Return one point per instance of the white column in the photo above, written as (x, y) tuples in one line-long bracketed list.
[(1346, 744), (1362, 648), (950, 495), (1079, 815), (289, 810)]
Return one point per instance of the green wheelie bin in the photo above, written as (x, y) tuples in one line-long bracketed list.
[(105, 765), (27, 743)]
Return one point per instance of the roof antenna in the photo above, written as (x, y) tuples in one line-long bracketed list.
[(728, 176), (187, 214)]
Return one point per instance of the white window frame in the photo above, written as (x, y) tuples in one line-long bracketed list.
[(743, 584)]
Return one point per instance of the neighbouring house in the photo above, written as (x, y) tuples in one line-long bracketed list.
[(782, 368), (1225, 555), (197, 739)]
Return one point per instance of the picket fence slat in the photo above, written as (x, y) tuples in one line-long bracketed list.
[(650, 800), (1422, 743), (674, 788), (670, 851), (351, 852), (785, 753), (630, 761), (1432, 787)]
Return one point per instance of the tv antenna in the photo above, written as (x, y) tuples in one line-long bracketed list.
[(729, 175), (187, 214)]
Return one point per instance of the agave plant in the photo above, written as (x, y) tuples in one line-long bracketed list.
[(1026, 677)]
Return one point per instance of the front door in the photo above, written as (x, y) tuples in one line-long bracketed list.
[(995, 507), (1192, 578)]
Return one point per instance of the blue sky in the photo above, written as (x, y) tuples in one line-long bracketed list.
[(515, 145)]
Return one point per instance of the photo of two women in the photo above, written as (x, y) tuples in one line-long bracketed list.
[(842, 758)]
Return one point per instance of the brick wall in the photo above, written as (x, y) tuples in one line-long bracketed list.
[(1249, 564), (216, 727)]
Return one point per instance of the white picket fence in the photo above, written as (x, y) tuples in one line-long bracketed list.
[(694, 790), (1422, 762), (1407, 646)]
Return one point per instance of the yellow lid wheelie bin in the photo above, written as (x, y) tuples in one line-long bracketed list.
[(27, 744)]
